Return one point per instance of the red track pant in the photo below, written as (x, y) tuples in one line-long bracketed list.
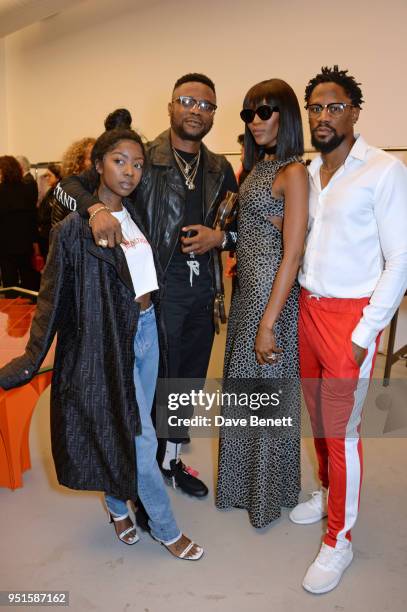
[(335, 389)]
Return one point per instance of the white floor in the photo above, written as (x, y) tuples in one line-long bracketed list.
[(56, 539)]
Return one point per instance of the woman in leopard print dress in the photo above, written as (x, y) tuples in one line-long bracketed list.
[(259, 469)]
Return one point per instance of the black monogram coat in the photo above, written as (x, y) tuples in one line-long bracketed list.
[(87, 298)]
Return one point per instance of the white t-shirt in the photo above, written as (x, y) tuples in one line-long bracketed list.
[(139, 255)]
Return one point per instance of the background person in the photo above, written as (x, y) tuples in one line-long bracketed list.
[(76, 159), (18, 233), (27, 176), (50, 178)]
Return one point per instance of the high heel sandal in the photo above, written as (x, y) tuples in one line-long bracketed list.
[(122, 536), (180, 551)]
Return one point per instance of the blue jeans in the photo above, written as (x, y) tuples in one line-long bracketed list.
[(150, 483)]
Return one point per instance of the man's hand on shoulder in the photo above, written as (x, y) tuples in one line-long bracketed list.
[(106, 229)]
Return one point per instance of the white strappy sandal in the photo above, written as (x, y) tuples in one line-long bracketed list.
[(122, 536), (183, 553)]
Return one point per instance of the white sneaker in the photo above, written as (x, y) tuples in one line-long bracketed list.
[(325, 572), (311, 511)]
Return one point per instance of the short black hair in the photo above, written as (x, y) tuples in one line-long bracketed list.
[(340, 77), (119, 118), (195, 77), (290, 140)]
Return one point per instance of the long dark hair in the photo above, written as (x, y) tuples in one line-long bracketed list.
[(290, 139), (10, 170)]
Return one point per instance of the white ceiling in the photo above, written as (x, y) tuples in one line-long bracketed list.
[(17, 14)]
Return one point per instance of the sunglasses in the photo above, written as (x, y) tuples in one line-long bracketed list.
[(189, 103), (334, 108), (264, 112)]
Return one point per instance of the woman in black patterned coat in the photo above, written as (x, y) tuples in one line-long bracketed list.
[(97, 300)]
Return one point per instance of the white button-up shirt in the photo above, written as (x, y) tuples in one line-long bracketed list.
[(357, 236)]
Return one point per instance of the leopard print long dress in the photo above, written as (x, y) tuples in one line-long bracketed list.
[(257, 470)]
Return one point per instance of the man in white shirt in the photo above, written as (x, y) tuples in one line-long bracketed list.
[(353, 277)]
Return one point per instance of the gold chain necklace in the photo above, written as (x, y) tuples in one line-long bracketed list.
[(333, 169), (189, 170), (322, 169)]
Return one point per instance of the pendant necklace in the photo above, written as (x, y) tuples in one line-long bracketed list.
[(188, 170)]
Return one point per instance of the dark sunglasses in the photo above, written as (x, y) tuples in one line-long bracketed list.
[(264, 112)]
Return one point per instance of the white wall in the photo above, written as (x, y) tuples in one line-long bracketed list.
[(65, 73)]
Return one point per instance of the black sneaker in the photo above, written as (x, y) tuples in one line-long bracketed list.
[(183, 477)]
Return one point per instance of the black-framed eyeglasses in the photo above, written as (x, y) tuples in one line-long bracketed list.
[(189, 103), (264, 112), (333, 108)]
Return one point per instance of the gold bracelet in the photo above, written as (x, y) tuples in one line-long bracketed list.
[(97, 211)]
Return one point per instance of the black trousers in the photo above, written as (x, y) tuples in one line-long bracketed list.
[(188, 316), (16, 271)]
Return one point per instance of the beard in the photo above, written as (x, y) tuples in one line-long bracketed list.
[(184, 134), (327, 146)]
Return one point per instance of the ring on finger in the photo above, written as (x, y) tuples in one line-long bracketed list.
[(272, 357), (103, 242)]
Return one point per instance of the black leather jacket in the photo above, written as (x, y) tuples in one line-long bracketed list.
[(58, 211), (164, 187), (160, 198)]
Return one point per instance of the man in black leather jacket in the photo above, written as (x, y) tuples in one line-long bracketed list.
[(182, 187)]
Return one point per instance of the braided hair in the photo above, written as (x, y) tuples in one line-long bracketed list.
[(340, 77)]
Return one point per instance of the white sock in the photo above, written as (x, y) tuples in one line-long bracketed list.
[(172, 451)]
